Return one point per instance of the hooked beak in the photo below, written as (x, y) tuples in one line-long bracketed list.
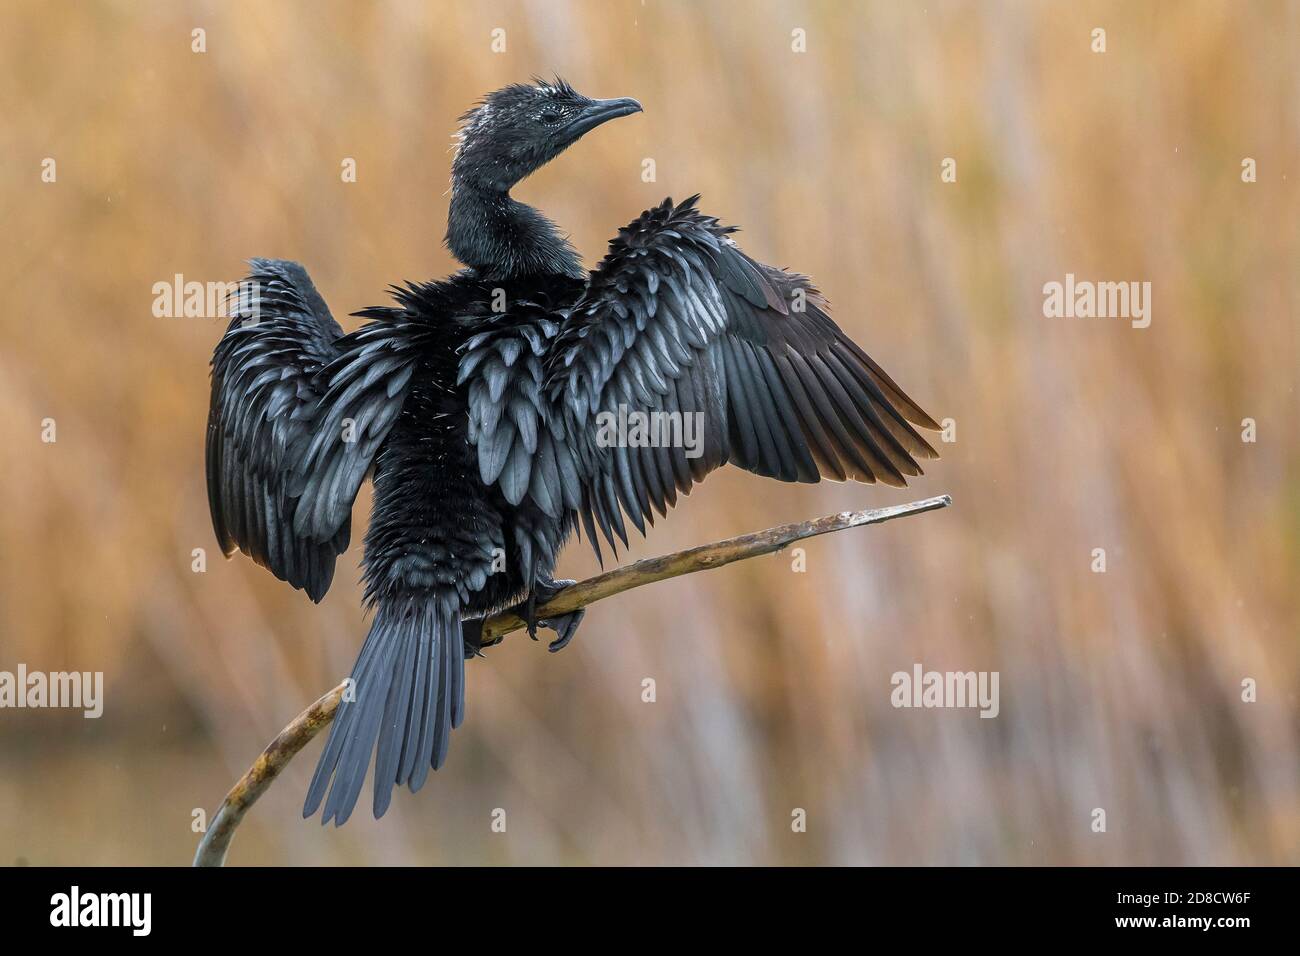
[(600, 111)]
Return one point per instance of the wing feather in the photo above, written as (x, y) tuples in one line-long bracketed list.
[(297, 413), (263, 377), (677, 320)]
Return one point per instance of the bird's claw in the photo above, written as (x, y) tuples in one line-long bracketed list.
[(471, 632), (565, 625)]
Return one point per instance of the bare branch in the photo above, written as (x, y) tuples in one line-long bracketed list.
[(701, 558), (212, 848), (216, 841)]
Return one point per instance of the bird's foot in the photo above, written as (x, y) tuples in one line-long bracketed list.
[(565, 625), (471, 633)]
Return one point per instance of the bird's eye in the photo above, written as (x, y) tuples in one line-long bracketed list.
[(550, 117)]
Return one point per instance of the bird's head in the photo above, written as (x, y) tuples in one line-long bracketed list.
[(521, 127)]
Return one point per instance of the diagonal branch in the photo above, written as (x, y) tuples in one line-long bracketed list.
[(216, 841)]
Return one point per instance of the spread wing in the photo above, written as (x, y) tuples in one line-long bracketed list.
[(296, 415), (685, 354)]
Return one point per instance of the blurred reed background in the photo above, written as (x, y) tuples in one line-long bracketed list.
[(1119, 690)]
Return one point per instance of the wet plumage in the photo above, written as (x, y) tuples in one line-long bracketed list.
[(476, 404)]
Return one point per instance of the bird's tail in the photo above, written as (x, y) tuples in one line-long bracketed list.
[(407, 693)]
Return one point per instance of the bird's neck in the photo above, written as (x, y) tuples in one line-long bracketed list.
[(502, 238)]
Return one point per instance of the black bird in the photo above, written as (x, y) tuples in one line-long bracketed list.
[(480, 406)]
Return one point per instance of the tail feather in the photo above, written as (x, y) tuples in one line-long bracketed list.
[(398, 711), (408, 694), (421, 742), (415, 756)]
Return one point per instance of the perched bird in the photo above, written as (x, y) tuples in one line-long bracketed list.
[(478, 405)]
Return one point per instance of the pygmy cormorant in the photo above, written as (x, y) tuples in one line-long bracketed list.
[(476, 404)]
